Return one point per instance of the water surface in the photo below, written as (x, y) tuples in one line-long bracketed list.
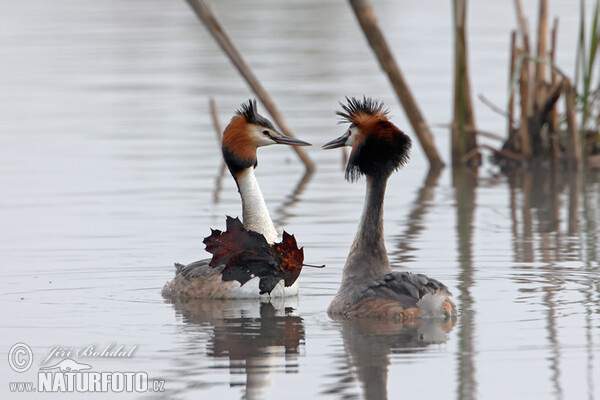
[(111, 171)]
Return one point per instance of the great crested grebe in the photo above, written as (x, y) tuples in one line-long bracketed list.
[(369, 288), (247, 131)]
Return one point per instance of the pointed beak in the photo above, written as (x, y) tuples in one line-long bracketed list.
[(335, 143), (282, 139)]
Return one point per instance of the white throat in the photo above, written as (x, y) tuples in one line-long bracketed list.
[(254, 210)]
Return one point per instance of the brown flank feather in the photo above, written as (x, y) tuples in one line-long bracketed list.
[(379, 308)]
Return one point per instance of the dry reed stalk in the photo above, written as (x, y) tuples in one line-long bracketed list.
[(552, 94), (219, 132), (511, 100), (368, 22), (525, 73), (488, 135), (206, 15), (215, 118), (464, 141), (492, 106), (523, 131), (523, 29), (573, 139), (553, 115), (542, 54), (553, 118), (477, 132), (504, 152)]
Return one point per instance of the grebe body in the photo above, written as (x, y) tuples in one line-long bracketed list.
[(369, 288), (246, 132)]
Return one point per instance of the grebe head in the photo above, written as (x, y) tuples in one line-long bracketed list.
[(378, 146), (247, 131)]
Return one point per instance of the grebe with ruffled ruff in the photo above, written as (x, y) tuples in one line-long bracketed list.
[(369, 288)]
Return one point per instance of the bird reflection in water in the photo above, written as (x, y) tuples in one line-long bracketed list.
[(258, 339), (368, 344)]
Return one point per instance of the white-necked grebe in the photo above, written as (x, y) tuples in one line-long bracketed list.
[(246, 132)]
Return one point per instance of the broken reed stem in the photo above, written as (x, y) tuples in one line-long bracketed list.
[(476, 132), (524, 82), (553, 72), (464, 142), (523, 30), (523, 131), (525, 89), (553, 116), (219, 132), (573, 139), (494, 107), (504, 152), (215, 119), (549, 102), (204, 12), (368, 22), (542, 54), (511, 100), (488, 135)]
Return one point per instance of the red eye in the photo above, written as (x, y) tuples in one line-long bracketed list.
[(266, 133)]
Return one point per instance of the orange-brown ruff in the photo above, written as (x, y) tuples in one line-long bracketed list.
[(247, 131), (369, 288), (238, 141)]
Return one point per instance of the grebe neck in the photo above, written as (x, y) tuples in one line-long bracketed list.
[(368, 256), (254, 210)]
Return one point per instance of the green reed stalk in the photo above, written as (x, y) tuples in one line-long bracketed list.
[(585, 61)]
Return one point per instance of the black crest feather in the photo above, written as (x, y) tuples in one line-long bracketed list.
[(250, 113), (384, 149), (379, 155), (356, 106)]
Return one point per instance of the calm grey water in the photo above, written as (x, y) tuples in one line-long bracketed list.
[(110, 173)]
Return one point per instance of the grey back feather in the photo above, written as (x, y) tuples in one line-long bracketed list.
[(404, 287)]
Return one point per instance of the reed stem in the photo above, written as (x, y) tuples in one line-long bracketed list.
[(206, 15), (464, 142), (368, 22), (573, 139)]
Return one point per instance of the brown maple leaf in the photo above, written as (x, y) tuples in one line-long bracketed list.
[(291, 258), (247, 254)]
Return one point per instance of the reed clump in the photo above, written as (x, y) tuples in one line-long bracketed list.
[(543, 134)]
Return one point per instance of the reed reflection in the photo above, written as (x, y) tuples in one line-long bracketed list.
[(415, 225), (536, 204), (465, 183), (591, 288), (553, 245), (282, 212), (257, 339)]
